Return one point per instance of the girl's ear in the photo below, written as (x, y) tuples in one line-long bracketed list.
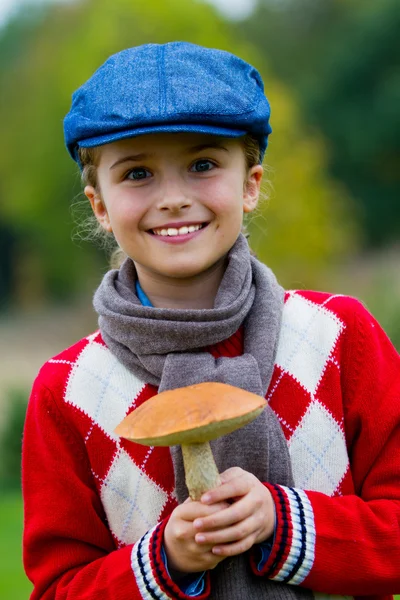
[(252, 187), (98, 206)]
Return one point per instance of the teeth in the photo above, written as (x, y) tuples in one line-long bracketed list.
[(181, 231), (192, 228)]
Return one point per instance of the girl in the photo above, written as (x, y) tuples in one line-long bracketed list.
[(170, 140)]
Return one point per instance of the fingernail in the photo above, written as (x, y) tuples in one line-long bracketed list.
[(206, 498), (216, 550), (198, 523), (200, 538)]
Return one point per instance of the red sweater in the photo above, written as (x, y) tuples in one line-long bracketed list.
[(96, 505)]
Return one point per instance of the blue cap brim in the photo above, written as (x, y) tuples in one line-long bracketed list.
[(110, 137)]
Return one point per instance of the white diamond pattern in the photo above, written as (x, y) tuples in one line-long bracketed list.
[(308, 336), (99, 381), (318, 451), (133, 503)]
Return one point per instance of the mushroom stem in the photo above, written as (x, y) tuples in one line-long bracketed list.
[(201, 473)]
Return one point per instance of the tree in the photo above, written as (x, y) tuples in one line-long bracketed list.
[(342, 59)]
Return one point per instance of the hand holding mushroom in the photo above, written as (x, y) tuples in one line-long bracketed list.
[(191, 417)]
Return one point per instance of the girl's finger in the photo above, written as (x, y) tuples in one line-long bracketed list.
[(234, 548), (234, 513), (200, 549), (231, 473), (192, 510), (235, 533), (238, 486)]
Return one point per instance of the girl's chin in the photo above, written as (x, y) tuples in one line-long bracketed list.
[(181, 270), (183, 273)]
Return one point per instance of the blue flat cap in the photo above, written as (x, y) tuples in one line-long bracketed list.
[(173, 87)]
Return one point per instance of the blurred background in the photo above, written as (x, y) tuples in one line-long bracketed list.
[(332, 218)]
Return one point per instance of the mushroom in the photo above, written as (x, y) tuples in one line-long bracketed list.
[(192, 416)]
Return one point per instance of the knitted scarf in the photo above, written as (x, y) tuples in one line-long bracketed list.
[(165, 347)]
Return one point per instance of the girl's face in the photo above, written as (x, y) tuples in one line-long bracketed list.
[(174, 202)]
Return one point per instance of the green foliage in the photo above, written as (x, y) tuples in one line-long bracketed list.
[(387, 311), (11, 440), (383, 301), (39, 181), (343, 58), (306, 225), (14, 585)]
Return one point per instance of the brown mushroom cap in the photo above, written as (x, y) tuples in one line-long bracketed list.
[(190, 415)]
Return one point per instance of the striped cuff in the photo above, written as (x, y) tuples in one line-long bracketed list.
[(293, 551), (151, 575)]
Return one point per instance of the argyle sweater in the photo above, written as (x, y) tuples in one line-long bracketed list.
[(96, 505)]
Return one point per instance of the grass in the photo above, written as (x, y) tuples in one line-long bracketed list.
[(14, 585)]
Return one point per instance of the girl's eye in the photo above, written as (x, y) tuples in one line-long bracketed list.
[(200, 166), (137, 174)]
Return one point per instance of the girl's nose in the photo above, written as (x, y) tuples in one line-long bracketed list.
[(173, 197)]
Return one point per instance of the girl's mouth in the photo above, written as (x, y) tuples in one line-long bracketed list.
[(174, 235), (173, 231)]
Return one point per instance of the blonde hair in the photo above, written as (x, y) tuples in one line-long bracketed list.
[(90, 229)]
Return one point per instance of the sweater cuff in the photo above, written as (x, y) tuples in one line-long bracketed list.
[(150, 572), (191, 584), (293, 549)]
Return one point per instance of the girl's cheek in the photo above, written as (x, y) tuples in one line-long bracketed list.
[(219, 197), (225, 204), (127, 203)]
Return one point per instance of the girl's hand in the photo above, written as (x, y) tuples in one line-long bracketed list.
[(249, 518), (184, 554)]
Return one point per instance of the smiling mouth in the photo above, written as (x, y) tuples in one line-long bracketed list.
[(173, 231)]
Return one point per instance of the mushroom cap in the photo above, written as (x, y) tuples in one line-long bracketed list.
[(190, 415)]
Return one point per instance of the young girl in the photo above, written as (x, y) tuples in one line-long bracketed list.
[(170, 139)]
